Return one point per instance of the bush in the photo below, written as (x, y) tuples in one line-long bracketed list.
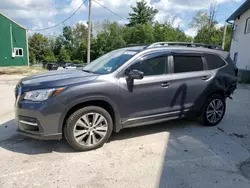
[(76, 61)]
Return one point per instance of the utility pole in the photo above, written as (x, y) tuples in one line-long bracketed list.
[(224, 36), (89, 32)]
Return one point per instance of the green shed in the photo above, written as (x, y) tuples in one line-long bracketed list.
[(13, 43)]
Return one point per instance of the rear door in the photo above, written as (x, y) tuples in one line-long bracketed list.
[(190, 80)]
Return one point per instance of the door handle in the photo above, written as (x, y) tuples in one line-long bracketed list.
[(165, 84), (205, 77)]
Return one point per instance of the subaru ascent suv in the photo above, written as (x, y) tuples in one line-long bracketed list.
[(127, 87)]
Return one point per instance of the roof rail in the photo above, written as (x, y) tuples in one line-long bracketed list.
[(134, 45), (187, 44)]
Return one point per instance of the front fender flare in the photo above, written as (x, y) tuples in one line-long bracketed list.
[(117, 123)]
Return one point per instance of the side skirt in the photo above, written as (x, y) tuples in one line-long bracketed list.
[(157, 118)]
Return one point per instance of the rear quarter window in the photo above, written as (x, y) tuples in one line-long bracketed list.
[(214, 61)]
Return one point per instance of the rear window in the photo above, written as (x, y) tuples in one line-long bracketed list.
[(214, 61), (187, 64)]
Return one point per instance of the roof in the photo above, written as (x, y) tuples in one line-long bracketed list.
[(241, 10), (12, 21)]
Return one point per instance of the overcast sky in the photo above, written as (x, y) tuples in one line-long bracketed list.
[(36, 14)]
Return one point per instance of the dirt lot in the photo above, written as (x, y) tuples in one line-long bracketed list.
[(23, 70), (174, 154)]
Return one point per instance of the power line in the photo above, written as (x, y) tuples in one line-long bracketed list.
[(110, 10), (62, 22)]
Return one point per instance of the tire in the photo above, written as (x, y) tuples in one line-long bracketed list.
[(207, 116), (77, 124)]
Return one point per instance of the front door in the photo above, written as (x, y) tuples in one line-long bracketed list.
[(149, 98)]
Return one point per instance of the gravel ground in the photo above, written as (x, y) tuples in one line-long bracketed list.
[(173, 154)]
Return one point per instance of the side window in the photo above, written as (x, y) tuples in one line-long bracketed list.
[(187, 64), (150, 67), (214, 61)]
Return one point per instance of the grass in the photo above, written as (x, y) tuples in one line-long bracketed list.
[(21, 70)]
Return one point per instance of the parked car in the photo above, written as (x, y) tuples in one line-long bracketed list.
[(67, 65), (71, 66), (127, 87), (51, 66)]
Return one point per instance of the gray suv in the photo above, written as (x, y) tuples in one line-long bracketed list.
[(128, 87)]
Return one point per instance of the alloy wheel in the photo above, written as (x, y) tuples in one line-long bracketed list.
[(215, 111), (90, 129)]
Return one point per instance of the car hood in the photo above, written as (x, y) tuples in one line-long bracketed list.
[(56, 79)]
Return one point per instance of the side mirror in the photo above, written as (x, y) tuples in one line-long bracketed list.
[(135, 74)]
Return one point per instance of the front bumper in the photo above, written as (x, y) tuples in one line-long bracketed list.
[(40, 120), (56, 136)]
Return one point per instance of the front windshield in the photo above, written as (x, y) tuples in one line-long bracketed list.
[(110, 62)]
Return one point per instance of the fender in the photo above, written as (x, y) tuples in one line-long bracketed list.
[(117, 123)]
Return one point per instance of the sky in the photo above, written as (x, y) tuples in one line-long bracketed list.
[(38, 14)]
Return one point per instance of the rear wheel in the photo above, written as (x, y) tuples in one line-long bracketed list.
[(88, 128), (213, 110)]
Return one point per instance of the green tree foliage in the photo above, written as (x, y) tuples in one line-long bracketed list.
[(109, 39), (165, 32), (139, 34), (71, 44), (204, 18), (80, 32), (228, 37), (32, 57), (37, 45), (208, 32), (142, 14), (200, 20), (213, 35), (63, 56), (80, 53), (49, 56), (209, 36), (59, 43)]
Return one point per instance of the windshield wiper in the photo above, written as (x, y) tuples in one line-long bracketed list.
[(88, 71)]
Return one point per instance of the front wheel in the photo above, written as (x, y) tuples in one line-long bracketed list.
[(88, 128), (213, 110)]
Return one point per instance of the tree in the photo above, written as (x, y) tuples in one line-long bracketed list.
[(80, 32), (213, 36), (108, 39), (68, 33), (228, 37), (63, 56), (32, 57), (139, 34), (165, 32), (200, 20), (80, 53), (37, 45), (209, 36), (49, 56), (142, 13), (59, 43), (68, 40), (204, 18)]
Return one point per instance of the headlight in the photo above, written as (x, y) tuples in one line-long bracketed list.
[(42, 95)]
